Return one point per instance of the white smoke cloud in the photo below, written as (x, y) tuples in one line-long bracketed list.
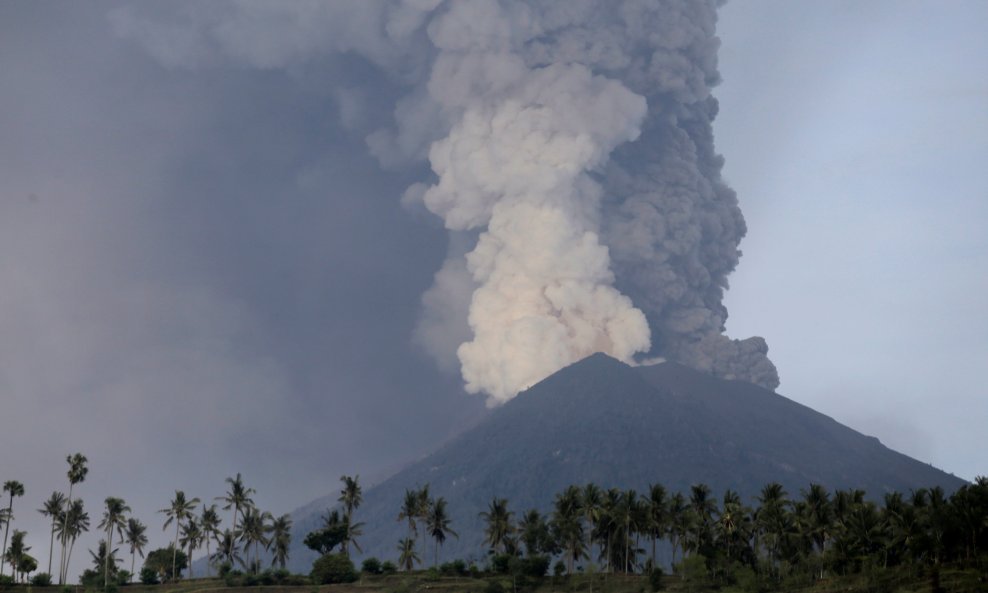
[(571, 141)]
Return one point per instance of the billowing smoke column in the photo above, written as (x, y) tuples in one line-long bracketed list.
[(573, 163), (586, 198)]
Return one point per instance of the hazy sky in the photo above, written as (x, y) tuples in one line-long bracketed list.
[(201, 274)]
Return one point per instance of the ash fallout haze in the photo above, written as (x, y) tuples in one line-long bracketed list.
[(282, 238)]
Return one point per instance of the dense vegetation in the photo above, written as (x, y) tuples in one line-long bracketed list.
[(780, 541)]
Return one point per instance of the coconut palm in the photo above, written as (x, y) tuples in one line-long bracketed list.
[(76, 474), (437, 524), (281, 539), (498, 520), (15, 554), (237, 498), (350, 496), (534, 532), (136, 538), (566, 526), (227, 549), (424, 504), (180, 510), (591, 499), (15, 488), (657, 514), (407, 556), (410, 511), (209, 522), (191, 538), (105, 556), (113, 518), (52, 508), (74, 523), (253, 531)]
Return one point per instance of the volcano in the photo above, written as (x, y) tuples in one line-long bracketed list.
[(602, 421)]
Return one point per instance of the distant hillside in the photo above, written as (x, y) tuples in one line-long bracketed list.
[(602, 421)]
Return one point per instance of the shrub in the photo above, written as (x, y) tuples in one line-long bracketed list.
[(500, 563), (371, 566), (494, 587), (333, 568), (559, 569), (6, 581), (388, 567), (535, 566), (655, 579), (42, 579), (225, 568), (149, 576)]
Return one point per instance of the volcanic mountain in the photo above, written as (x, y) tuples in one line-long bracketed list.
[(602, 421)]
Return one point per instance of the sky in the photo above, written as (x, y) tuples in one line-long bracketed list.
[(207, 271)]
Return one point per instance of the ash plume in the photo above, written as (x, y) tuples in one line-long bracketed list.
[(572, 161)]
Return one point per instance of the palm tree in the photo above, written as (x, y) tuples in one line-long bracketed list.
[(227, 549), (76, 474), (209, 522), (15, 488), (438, 524), (52, 508), (591, 500), (135, 536), (566, 525), (351, 496), (424, 504), (678, 524), (657, 514), (498, 520), (104, 556), (818, 515), (191, 538), (253, 530), (15, 554), (75, 521), (113, 518), (534, 532), (180, 510), (410, 511), (237, 498), (281, 538), (407, 555)]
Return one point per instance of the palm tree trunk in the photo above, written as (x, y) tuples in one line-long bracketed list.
[(175, 551), (65, 522), (190, 558), (209, 573), (6, 530), (106, 561), (51, 545), (133, 559)]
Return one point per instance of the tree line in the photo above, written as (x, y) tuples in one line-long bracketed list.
[(197, 525)]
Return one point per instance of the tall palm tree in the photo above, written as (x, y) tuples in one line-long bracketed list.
[(678, 524), (74, 523), (237, 498), (407, 557), (52, 508), (350, 496), (15, 488), (566, 525), (424, 504), (179, 511), (209, 522), (818, 516), (657, 514), (410, 511), (498, 520), (136, 538), (76, 474), (253, 530), (591, 500), (438, 524), (191, 538), (281, 539), (113, 518)]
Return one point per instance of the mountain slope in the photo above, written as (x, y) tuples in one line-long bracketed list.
[(602, 421)]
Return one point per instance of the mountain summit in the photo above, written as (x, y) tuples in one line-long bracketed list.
[(602, 421)]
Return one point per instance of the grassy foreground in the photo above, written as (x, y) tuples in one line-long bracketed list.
[(951, 580)]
